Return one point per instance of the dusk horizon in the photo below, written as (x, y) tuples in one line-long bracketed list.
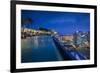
[(61, 22)]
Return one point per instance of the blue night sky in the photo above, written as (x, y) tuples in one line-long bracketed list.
[(62, 22)]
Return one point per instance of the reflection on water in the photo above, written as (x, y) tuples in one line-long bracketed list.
[(39, 49)]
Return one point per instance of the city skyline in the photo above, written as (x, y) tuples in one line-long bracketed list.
[(61, 22)]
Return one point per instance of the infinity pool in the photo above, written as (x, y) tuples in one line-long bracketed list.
[(39, 49)]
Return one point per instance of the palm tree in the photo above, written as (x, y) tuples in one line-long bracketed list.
[(25, 21)]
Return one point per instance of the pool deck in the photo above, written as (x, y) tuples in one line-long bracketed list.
[(68, 54)]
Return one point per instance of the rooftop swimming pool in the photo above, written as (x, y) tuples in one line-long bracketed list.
[(39, 49)]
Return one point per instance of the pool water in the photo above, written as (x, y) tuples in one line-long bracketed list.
[(39, 49)]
